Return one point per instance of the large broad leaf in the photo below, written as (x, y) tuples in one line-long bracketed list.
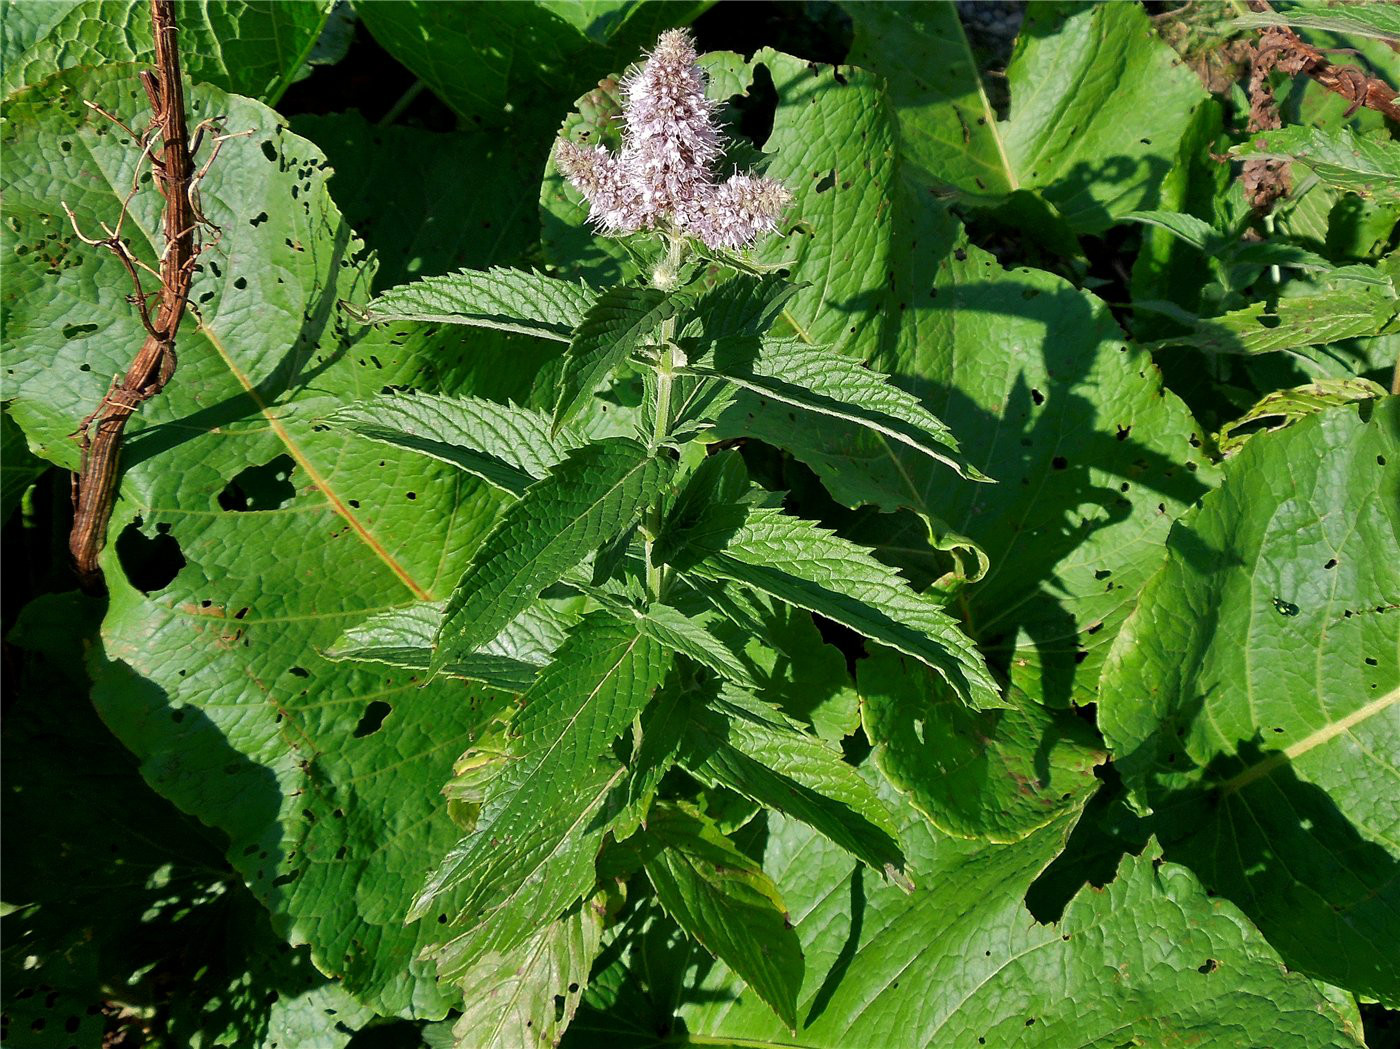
[(252, 48), (497, 64), (531, 853), (993, 774), (595, 493), (1149, 959), (106, 883), (1098, 104), (248, 535), (722, 899), (426, 225), (804, 565), (1253, 699)]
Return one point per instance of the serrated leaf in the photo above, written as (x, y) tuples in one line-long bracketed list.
[(539, 828), (504, 299), (741, 306), (815, 379), (996, 775), (252, 49), (509, 999), (403, 637), (739, 742), (508, 447), (596, 492), (1098, 103), (1348, 311), (675, 630), (1360, 164), (797, 562), (1253, 699), (961, 959), (615, 323), (724, 901), (1366, 19)]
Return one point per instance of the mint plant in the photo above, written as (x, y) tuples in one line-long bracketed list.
[(614, 590)]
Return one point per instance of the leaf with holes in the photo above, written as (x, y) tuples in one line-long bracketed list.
[(252, 49), (1253, 699), (248, 535)]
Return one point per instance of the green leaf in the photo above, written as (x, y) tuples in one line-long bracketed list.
[(797, 562), (505, 299), (19, 467), (1282, 408), (596, 492), (1349, 310), (724, 901), (247, 535), (1098, 104), (404, 638), (1374, 20), (509, 998), (997, 775), (816, 380), (506, 446), (1369, 166), (252, 49), (741, 306), (1093, 457), (505, 64), (736, 741), (661, 728), (1253, 699), (961, 959), (540, 826), (426, 225), (1196, 232), (691, 638), (611, 329)]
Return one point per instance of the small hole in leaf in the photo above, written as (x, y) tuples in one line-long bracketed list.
[(373, 718)]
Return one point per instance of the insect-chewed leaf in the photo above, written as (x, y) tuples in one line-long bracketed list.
[(1342, 160), (611, 330), (591, 496), (817, 380), (403, 637), (538, 831), (812, 568), (506, 446), (750, 747), (725, 902), (506, 299)]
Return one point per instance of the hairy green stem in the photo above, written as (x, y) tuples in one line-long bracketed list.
[(663, 278)]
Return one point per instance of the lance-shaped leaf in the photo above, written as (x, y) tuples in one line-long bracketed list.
[(509, 998), (663, 725), (607, 334), (507, 446), (586, 500), (1253, 698), (739, 742), (799, 563), (742, 306), (506, 299), (538, 831), (1376, 20), (1341, 159), (403, 637), (690, 637), (725, 902), (814, 379)]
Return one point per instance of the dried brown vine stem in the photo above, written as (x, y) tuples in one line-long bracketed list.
[(94, 487), (1294, 55)]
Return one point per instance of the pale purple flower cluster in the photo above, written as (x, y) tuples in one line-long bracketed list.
[(663, 172)]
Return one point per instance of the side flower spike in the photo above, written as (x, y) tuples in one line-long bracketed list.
[(736, 213)]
